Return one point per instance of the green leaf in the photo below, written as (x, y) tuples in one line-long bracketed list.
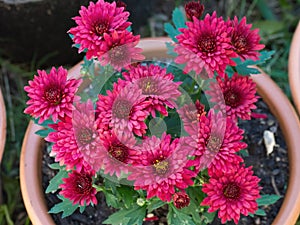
[(176, 217), (243, 68), (193, 209), (267, 199), (171, 31), (66, 207), (170, 50), (155, 204), (57, 179), (208, 217), (178, 18), (128, 195), (260, 212), (134, 215), (111, 200), (44, 132)]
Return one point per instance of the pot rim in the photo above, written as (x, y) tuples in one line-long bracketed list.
[(2, 125), (274, 97), (294, 67)]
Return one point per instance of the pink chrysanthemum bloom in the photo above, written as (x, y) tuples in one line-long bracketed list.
[(181, 200), (232, 193), (51, 95), (119, 50), (98, 19), (65, 146), (218, 141), (122, 108), (120, 152), (163, 167), (78, 188), (205, 44), (190, 115), (235, 96), (86, 134), (245, 41), (157, 85)]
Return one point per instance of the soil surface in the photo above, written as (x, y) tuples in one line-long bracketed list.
[(272, 169)]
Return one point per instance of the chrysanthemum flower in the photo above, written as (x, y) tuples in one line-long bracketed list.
[(119, 49), (163, 167), (98, 19), (232, 193), (205, 44), (190, 114), (245, 41), (235, 96), (51, 95), (78, 188), (120, 152), (181, 200), (65, 149), (156, 84), (193, 9), (122, 108), (86, 135), (218, 141)]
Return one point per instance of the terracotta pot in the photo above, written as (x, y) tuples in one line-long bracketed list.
[(30, 166), (294, 67), (2, 125)]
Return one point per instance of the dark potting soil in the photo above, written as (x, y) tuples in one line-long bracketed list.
[(272, 169)]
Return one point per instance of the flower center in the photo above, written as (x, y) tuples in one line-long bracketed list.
[(84, 184), (161, 167), (53, 95), (101, 28), (232, 191), (231, 98), (207, 44), (118, 53), (85, 136), (240, 44), (149, 86), (118, 151), (214, 144), (121, 108)]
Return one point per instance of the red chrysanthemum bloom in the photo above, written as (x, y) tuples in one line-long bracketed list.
[(218, 141), (181, 200), (119, 49), (51, 95), (120, 152), (193, 9), (245, 41), (235, 96), (163, 167), (98, 19), (122, 108), (190, 115), (157, 85), (232, 193), (78, 188), (86, 134), (205, 44)]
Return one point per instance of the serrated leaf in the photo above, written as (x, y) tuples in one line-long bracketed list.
[(128, 195), (66, 207), (267, 199), (175, 217), (193, 210), (134, 215), (260, 212), (171, 31), (111, 200), (155, 204), (55, 166), (56, 181), (244, 67), (178, 18), (208, 217)]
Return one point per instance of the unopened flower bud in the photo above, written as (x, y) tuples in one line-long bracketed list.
[(121, 4), (181, 200), (140, 201), (193, 9)]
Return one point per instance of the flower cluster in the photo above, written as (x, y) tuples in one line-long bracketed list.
[(143, 123)]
